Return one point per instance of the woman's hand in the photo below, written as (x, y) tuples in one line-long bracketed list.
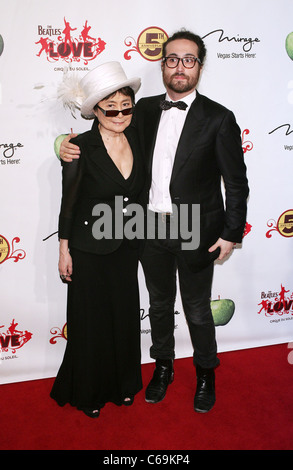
[(65, 261)]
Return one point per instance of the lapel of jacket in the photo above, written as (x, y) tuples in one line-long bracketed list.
[(153, 121), (190, 136), (100, 158)]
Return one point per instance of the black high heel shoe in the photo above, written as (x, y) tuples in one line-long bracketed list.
[(92, 413), (128, 401)]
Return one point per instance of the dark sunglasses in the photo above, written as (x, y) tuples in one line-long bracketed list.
[(115, 112)]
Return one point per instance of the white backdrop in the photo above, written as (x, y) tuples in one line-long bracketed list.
[(248, 69)]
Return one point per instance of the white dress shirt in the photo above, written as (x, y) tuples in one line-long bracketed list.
[(169, 131)]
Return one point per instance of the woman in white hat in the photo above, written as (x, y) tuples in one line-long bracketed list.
[(102, 359)]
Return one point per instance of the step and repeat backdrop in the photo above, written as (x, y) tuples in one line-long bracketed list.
[(249, 69)]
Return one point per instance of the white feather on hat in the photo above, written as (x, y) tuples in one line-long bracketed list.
[(70, 93)]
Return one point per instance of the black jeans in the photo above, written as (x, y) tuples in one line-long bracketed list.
[(160, 261)]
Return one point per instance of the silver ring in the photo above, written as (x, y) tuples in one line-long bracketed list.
[(63, 276)]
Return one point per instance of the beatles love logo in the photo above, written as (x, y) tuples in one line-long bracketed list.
[(68, 48)]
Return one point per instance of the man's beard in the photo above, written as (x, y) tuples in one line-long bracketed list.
[(180, 86)]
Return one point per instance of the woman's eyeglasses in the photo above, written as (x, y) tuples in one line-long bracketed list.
[(115, 112)]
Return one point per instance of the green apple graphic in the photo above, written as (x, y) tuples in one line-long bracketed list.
[(57, 144), (289, 45), (1, 44), (222, 310)]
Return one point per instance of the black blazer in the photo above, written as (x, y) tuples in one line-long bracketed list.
[(95, 179), (209, 150)]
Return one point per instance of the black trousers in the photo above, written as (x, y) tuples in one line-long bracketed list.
[(161, 259), (102, 360)]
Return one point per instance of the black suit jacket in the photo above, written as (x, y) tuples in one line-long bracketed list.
[(95, 179), (209, 150)]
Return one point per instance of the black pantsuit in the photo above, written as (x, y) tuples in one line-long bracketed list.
[(102, 358)]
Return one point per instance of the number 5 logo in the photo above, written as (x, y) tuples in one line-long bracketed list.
[(150, 43), (285, 223)]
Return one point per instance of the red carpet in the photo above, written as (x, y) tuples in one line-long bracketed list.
[(254, 411)]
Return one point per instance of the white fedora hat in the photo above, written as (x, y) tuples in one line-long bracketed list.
[(101, 82)]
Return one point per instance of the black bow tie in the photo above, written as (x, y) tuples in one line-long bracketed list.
[(165, 105)]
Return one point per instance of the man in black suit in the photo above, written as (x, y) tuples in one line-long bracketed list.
[(188, 150)]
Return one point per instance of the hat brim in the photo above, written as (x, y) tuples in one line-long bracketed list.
[(88, 105)]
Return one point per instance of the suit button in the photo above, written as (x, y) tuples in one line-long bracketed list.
[(124, 210), (86, 222), (125, 199)]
